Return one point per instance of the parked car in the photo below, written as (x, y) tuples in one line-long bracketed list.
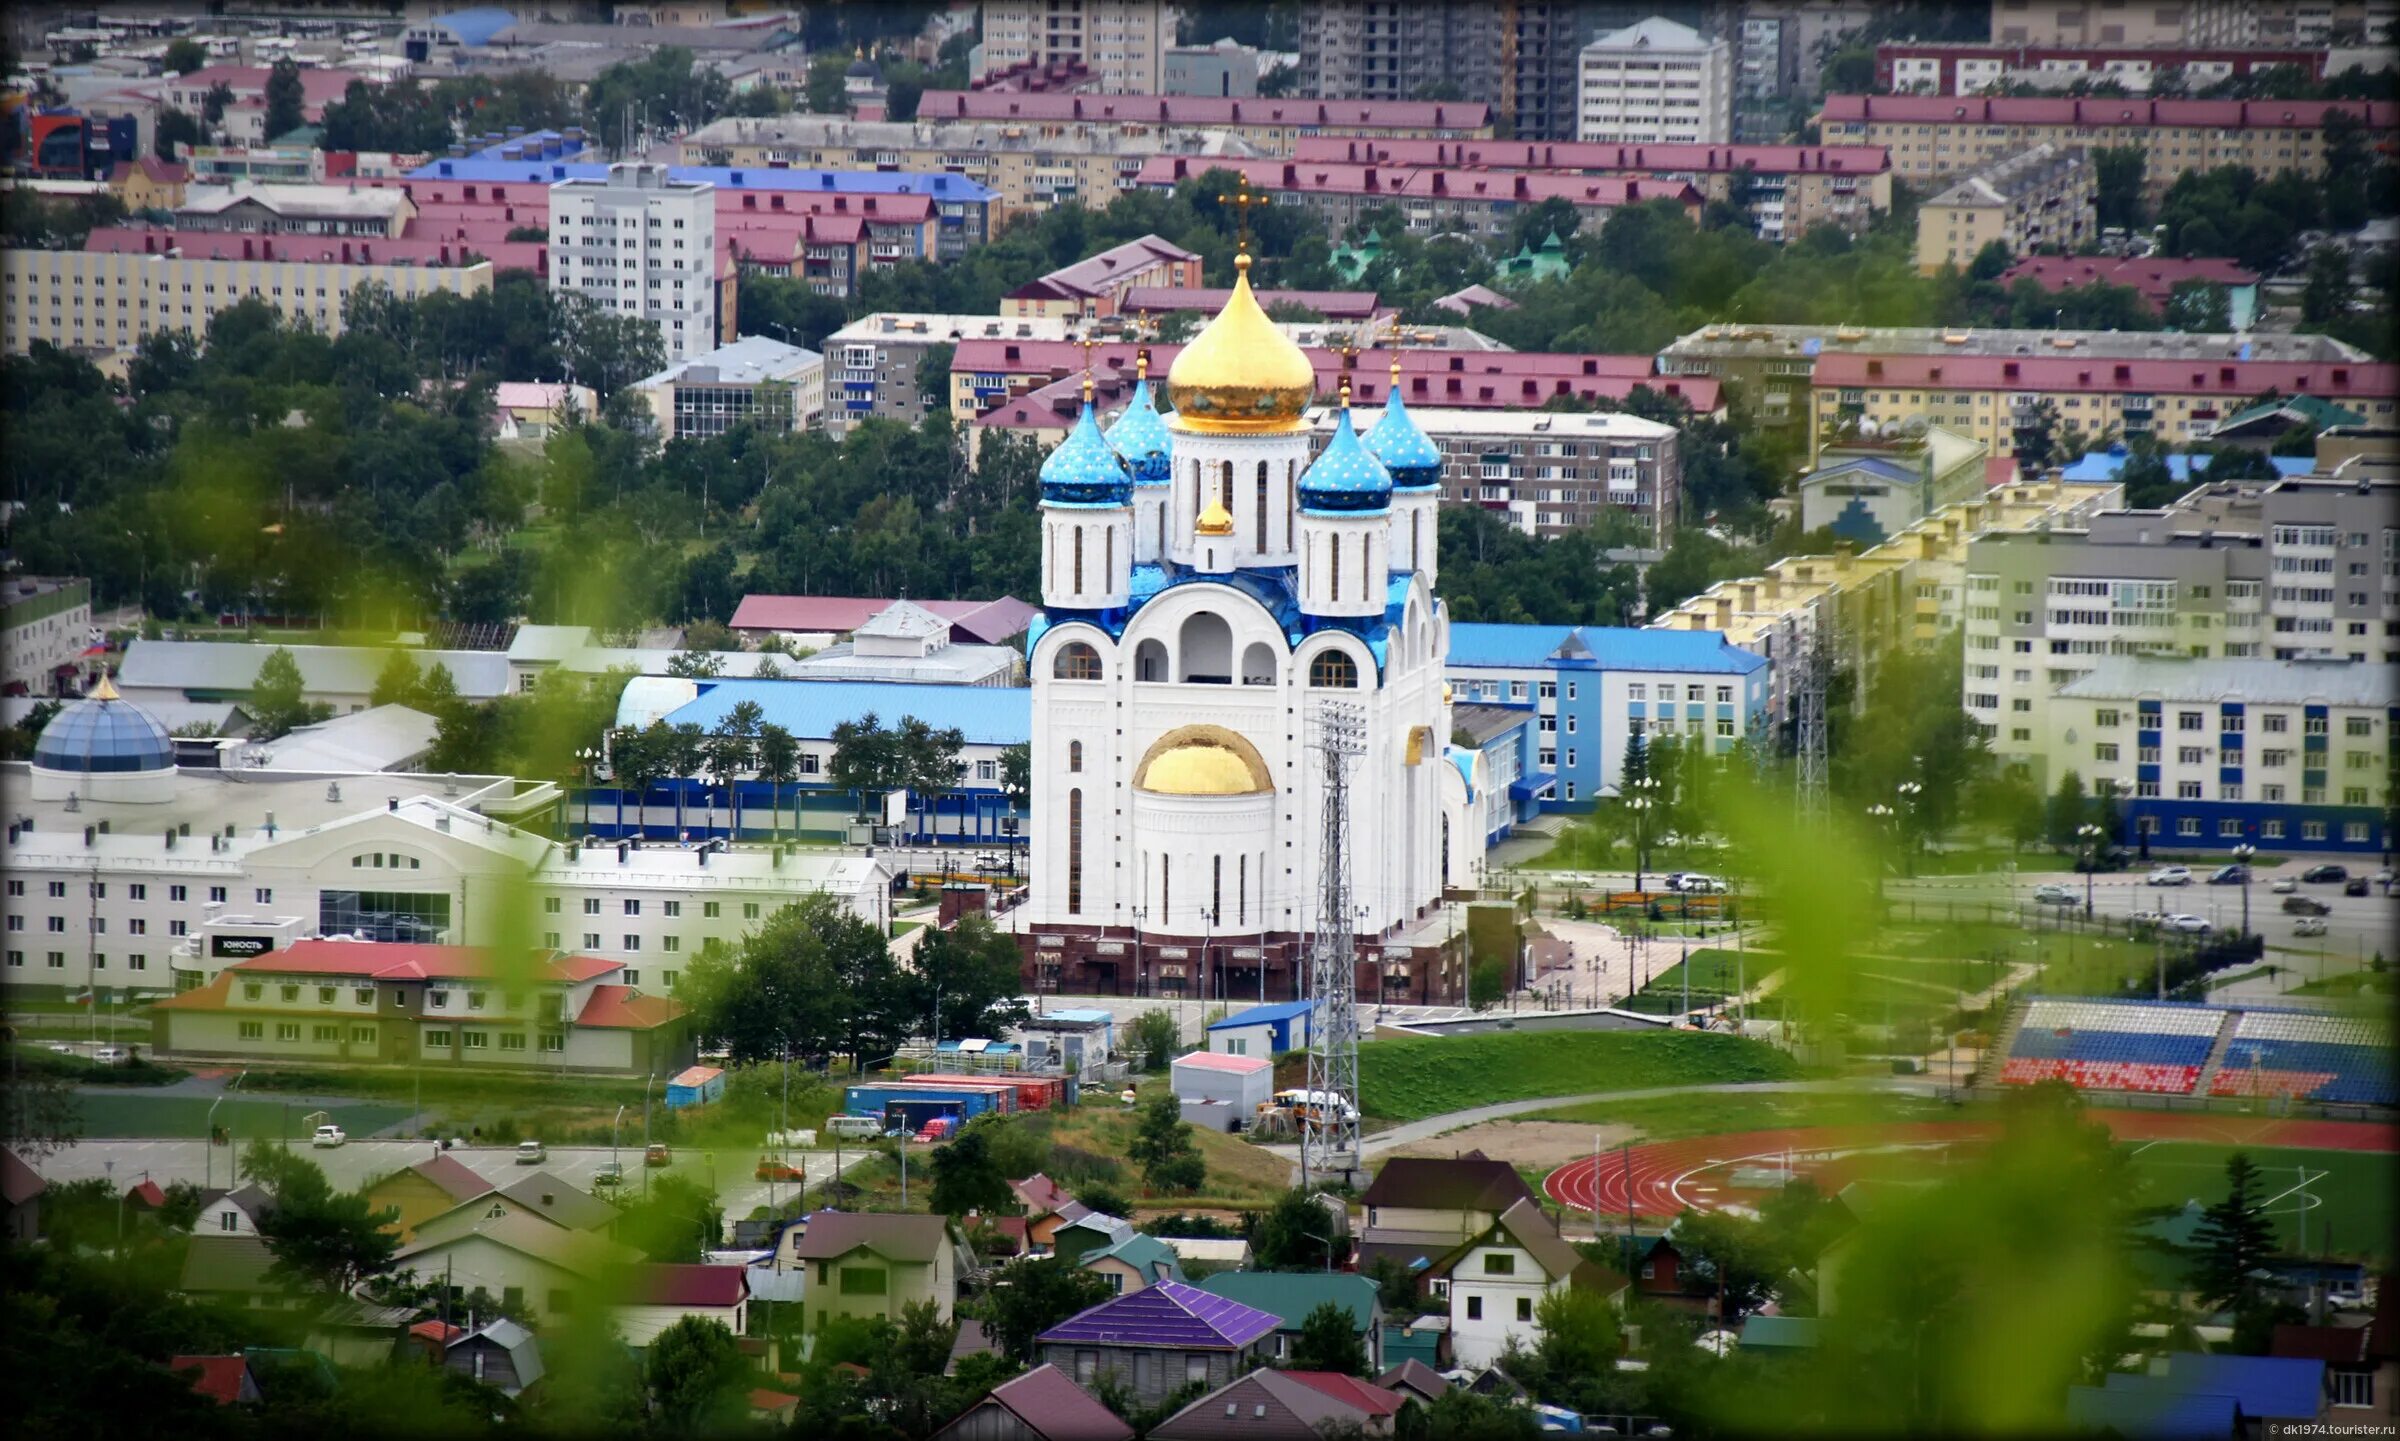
[(2190, 925), (2055, 895), (657, 1154), (2144, 920), (2284, 885), (2171, 876), (611, 1173), (2325, 874), (2309, 926), (108, 1055), (328, 1136), (2355, 886), (855, 1127), (2233, 875), (2383, 878), (531, 1153), (2305, 906)]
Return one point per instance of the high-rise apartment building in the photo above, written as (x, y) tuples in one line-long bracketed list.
[(1400, 50), (1655, 82), (2215, 23), (1123, 42), (641, 243)]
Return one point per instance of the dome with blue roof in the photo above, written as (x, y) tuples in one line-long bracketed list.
[(1414, 461), (1141, 435), (1086, 469), (104, 734), (1347, 478)]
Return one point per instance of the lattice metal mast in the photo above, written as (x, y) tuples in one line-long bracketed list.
[(1329, 1122), (1810, 746)]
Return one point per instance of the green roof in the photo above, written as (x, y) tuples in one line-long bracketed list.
[(1291, 1295), (2311, 410), (1780, 1333)]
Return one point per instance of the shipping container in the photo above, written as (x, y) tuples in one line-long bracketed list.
[(1034, 1093)]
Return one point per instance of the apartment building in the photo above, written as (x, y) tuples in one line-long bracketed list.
[(273, 209), (1123, 43), (1224, 69), (48, 625), (2215, 24), (1272, 126), (1548, 472), (1766, 68), (1390, 50), (1655, 83), (1480, 203), (643, 243), (2039, 197), (1908, 67), (754, 381), (2000, 400), (2296, 754), (871, 363), (1788, 189), (1938, 137), (2299, 569), (115, 295), (1094, 288)]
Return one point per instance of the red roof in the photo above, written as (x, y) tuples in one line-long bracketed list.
[(1040, 1194), (2154, 276), (19, 1182), (2094, 113), (1054, 1408), (440, 1333), (220, 1378), (1205, 110), (2320, 1343), (1421, 182), (1332, 304), (2233, 379), (1999, 470), (1350, 1391), (1594, 157), (408, 961), (984, 622), (431, 251), (147, 1195), (671, 1284), (622, 1008)]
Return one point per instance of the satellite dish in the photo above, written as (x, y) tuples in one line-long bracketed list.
[(1915, 425)]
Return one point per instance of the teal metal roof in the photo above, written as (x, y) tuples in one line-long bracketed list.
[(1086, 469), (1346, 479), (1142, 438), (1414, 461)]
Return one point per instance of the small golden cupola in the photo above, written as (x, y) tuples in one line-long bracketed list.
[(1241, 375)]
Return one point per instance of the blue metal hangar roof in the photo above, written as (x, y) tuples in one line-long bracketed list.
[(810, 709), (1598, 647)]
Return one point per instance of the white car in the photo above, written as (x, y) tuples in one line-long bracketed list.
[(2171, 876), (108, 1055), (328, 1136), (1696, 884), (2309, 926), (2285, 886), (2189, 925), (2055, 896)]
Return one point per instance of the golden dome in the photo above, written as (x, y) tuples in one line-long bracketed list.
[(1241, 374), (1202, 760), (1215, 519)]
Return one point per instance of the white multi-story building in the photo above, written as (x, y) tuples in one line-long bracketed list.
[(1123, 42), (644, 244), (1656, 83), (754, 381), (49, 627)]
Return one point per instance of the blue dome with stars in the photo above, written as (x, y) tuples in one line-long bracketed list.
[(1085, 469), (1346, 479), (1142, 438), (1414, 461)]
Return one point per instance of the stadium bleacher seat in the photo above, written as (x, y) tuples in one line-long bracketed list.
[(2306, 1055), (2153, 1048)]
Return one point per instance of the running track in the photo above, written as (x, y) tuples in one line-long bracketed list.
[(1668, 1176)]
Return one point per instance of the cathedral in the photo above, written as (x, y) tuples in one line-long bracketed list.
[(1206, 588)]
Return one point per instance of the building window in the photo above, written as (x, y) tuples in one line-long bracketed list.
[(287, 1030), (1075, 852), (1474, 1308), (475, 1040), (363, 1035), (1333, 669), (1499, 1263), (252, 1030)]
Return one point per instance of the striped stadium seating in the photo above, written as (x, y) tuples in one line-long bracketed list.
[(2154, 1048), (2306, 1055)]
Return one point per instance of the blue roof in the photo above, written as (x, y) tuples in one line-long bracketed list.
[(1085, 469), (476, 27), (1262, 1015), (2267, 1387), (1345, 478), (1079, 1014), (810, 709), (2100, 466), (1414, 461), (486, 166), (2168, 1415), (1601, 647), (107, 736), (1143, 438)]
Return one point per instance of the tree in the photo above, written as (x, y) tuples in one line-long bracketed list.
[(2117, 174), (2068, 809), (1579, 1332), (699, 1380), (1155, 1037), (813, 973), (1016, 774), (185, 55), (1735, 1255), (2326, 294), (826, 92), (277, 698), (1329, 1341), (175, 133), (2199, 306), (678, 1221), (287, 99), (1162, 1146), (2234, 1239), (1034, 1296), (320, 1238), (966, 1178), (1294, 1234), (967, 982), (778, 763), (399, 682), (43, 1112)]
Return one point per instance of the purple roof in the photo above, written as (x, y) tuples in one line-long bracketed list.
[(1169, 1314)]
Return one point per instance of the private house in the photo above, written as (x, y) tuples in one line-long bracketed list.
[(1492, 1284), (873, 1265), (1077, 1238), (658, 1296), (1134, 1262), (2362, 1363), (1285, 1406), (235, 1213), (1418, 1208), (540, 1195), (1206, 1255), (21, 1187), (1048, 1206), (1290, 1295), (1414, 1379), (425, 1190), (1040, 1405), (532, 1265), (1158, 1340), (354, 1332), (500, 1354)]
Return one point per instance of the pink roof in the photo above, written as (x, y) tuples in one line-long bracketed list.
[(1040, 1194), (695, 1076), (248, 82), (219, 1378), (2098, 113), (2236, 380), (983, 622), (2154, 276), (532, 394), (404, 961), (1999, 470), (1205, 110), (1050, 1405), (1570, 155), (148, 1195), (1217, 1061), (1332, 304), (1350, 1391), (671, 1284), (622, 1008), (223, 245), (440, 1333), (1426, 183)]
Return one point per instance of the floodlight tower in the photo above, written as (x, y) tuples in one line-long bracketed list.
[(1810, 744), (1329, 1118)]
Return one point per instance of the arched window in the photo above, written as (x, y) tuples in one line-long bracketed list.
[(1075, 852), (1262, 505), (1333, 559), (1416, 555), (1075, 755), (1333, 669), (1291, 498), (1150, 661), (1204, 649), (1079, 560), (1076, 661), (1225, 496), (1108, 558), (1258, 664)]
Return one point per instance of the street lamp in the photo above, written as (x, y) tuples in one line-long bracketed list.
[(1641, 805), (1909, 792), (2091, 836), (2241, 857), (1882, 815), (614, 1164), (589, 758), (208, 1129)]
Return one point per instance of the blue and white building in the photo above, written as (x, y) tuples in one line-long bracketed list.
[(1590, 687), (1268, 1030)]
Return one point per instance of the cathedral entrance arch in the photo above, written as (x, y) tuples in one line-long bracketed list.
[(1258, 664), (1205, 649), (1150, 661)]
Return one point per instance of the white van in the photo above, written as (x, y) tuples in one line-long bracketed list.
[(855, 1127)]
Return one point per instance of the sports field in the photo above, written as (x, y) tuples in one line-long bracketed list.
[(2343, 1198)]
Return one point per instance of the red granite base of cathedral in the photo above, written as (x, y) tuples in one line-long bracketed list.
[(1231, 970)]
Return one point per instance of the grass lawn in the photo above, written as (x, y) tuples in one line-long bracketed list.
[(2347, 1200), (1671, 1118), (186, 1116), (2350, 983), (1716, 971), (1407, 1080)]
